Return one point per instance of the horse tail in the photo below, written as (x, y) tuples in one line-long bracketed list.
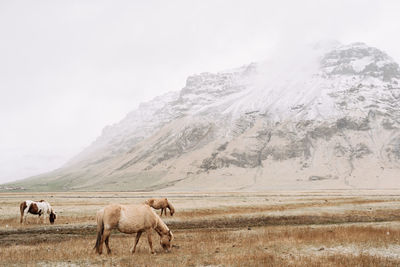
[(100, 230), (149, 202), (171, 208), (22, 208)]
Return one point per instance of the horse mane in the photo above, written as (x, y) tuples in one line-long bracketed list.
[(161, 227)]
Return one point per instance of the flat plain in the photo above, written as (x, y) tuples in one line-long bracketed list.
[(275, 228)]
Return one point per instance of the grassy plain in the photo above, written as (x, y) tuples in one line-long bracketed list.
[(277, 228)]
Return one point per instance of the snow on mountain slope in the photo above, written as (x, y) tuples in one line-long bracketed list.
[(325, 117)]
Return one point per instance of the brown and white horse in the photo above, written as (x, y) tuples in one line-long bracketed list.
[(161, 203), (130, 219), (37, 208)]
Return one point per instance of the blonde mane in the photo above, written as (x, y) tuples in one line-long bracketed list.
[(161, 227)]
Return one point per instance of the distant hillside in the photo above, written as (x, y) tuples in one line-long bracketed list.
[(327, 118)]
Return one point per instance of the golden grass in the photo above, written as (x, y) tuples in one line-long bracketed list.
[(265, 246), (33, 221), (303, 231), (273, 207), (238, 217)]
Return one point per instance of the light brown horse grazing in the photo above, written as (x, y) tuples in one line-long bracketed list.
[(130, 219), (161, 203)]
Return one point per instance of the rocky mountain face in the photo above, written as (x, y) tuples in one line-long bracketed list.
[(327, 118)]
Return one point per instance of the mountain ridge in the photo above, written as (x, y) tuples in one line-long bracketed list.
[(327, 118)]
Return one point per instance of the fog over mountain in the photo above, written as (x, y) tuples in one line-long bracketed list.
[(325, 116), (70, 68)]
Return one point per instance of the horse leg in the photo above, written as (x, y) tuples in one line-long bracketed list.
[(133, 249), (162, 209), (106, 235), (150, 241), (108, 248), (25, 214)]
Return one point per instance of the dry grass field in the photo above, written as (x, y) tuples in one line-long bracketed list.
[(317, 228)]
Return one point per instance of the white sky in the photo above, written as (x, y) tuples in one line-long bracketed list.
[(69, 68)]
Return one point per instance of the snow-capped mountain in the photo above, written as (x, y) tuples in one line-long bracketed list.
[(325, 117)]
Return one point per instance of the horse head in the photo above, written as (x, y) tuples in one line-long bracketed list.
[(171, 208), (166, 240), (52, 217)]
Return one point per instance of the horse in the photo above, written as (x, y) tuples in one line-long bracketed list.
[(37, 208), (161, 203), (129, 219)]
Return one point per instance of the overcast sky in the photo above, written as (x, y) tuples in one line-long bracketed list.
[(69, 68)]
